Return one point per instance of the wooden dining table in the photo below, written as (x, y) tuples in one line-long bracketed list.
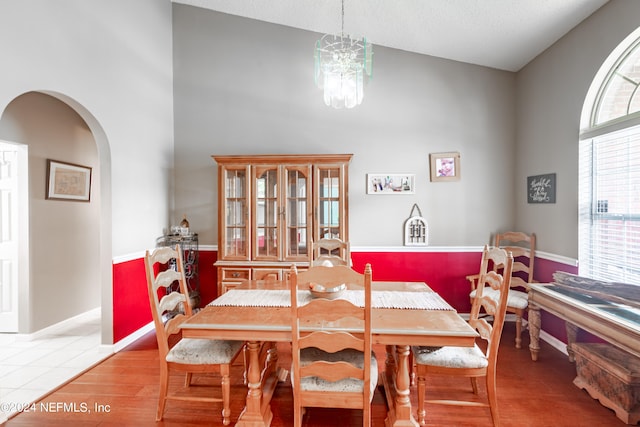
[(258, 312)]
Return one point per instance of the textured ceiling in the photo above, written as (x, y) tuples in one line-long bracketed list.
[(502, 34)]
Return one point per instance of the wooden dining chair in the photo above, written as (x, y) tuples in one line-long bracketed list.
[(472, 362), (333, 366), (183, 355), (330, 252), (523, 248)]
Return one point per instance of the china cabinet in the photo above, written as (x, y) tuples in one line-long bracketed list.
[(270, 209)]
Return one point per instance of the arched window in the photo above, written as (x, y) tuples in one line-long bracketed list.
[(609, 181)]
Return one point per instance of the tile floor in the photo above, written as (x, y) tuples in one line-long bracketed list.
[(32, 367)]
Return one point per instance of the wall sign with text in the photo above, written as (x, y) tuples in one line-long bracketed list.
[(541, 188)]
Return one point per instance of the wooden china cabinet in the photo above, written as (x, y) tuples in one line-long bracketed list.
[(270, 208)]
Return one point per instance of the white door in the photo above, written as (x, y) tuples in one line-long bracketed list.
[(8, 237)]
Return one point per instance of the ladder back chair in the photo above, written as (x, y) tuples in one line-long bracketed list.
[(186, 355), (472, 362), (333, 367), (330, 252), (523, 248)]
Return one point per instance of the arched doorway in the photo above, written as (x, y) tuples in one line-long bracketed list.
[(70, 242)]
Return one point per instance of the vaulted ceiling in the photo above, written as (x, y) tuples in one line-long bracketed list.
[(502, 34)]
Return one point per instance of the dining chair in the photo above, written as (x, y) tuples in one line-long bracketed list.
[(333, 366), (330, 252), (477, 361), (523, 248), (183, 354)]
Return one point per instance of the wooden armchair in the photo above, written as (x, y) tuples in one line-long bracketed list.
[(332, 367), (523, 248), (186, 355), (472, 362), (329, 252)]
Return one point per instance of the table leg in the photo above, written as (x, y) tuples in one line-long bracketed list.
[(398, 394), (534, 330), (257, 413), (572, 333)]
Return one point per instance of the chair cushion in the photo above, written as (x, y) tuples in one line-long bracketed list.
[(515, 299), (203, 351), (309, 355), (450, 357)]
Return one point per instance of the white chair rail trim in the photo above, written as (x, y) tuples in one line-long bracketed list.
[(539, 254)]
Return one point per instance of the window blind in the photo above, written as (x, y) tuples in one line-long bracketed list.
[(609, 207)]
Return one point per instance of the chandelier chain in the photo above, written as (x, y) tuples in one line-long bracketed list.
[(342, 28)]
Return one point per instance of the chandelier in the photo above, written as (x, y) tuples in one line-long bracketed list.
[(340, 66)]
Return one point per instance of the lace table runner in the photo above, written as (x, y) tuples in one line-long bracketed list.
[(379, 299)]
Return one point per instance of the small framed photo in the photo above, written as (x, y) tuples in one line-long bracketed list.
[(445, 166), (385, 183), (68, 181)]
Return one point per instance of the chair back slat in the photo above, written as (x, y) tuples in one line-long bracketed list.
[(332, 371), (170, 302), (331, 341), (166, 278)]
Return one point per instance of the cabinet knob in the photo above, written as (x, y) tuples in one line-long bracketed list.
[(235, 274)]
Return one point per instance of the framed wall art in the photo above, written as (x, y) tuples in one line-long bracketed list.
[(68, 181), (541, 188), (445, 166), (385, 183)]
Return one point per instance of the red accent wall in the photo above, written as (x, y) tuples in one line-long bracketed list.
[(444, 272), (208, 277), (131, 310)]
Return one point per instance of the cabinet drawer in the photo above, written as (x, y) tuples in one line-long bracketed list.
[(267, 274), (225, 286), (235, 274)]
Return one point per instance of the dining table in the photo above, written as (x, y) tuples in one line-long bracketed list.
[(403, 314)]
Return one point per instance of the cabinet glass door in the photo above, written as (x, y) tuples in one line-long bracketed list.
[(236, 227), (330, 197), (298, 214), (267, 213)]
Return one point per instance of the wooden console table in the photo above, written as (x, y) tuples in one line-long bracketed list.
[(615, 323)]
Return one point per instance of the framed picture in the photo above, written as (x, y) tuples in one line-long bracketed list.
[(67, 181), (445, 166), (541, 188), (386, 183)]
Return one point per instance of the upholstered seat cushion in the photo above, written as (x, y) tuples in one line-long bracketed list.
[(203, 351), (515, 299), (452, 357), (309, 355)]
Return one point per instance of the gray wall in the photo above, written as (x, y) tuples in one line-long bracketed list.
[(111, 61), (550, 95), (243, 86)]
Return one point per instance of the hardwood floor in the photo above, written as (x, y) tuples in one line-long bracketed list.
[(123, 391)]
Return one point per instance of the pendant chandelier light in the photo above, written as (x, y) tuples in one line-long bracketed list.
[(340, 67)]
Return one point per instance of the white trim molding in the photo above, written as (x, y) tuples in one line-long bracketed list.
[(416, 249), (557, 258)]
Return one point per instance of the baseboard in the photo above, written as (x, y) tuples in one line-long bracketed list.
[(129, 339), (554, 342), (60, 326)]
